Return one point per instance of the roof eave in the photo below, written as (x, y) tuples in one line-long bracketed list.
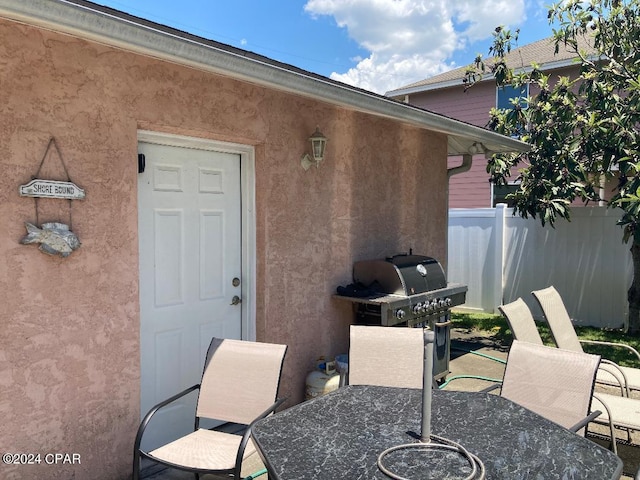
[(157, 41), (457, 82)]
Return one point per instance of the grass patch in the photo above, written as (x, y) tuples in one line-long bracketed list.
[(498, 328)]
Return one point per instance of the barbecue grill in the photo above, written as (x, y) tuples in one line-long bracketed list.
[(406, 290)]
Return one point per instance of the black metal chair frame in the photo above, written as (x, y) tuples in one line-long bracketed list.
[(139, 454)]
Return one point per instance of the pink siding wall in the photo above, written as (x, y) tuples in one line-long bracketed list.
[(69, 362), (471, 189), (471, 106)]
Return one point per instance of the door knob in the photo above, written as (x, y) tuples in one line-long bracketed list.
[(236, 300)]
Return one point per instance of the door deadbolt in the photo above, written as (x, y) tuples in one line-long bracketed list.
[(235, 282)]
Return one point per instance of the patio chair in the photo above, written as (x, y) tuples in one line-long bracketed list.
[(566, 338), (565, 397), (521, 322), (386, 356), (239, 386), (617, 411)]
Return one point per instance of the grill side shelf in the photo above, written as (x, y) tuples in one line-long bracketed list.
[(377, 300)]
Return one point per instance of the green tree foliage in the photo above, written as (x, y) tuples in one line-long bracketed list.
[(583, 130)]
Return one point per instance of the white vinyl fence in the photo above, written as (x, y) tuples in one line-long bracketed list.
[(501, 257)]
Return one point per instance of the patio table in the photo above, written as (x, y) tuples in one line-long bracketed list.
[(341, 434)]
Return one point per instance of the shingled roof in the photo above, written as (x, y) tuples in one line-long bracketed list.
[(540, 52)]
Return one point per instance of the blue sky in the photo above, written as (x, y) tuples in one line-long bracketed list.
[(378, 45)]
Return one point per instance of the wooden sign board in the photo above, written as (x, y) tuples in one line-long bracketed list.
[(52, 189)]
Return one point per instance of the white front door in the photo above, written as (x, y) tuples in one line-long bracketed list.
[(189, 225)]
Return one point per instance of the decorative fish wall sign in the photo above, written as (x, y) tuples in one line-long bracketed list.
[(54, 238)]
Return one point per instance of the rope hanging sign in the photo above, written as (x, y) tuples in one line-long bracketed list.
[(39, 188), (55, 238)]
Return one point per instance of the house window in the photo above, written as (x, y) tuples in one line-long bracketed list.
[(500, 193), (506, 93)]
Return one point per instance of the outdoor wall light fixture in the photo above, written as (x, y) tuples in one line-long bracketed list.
[(476, 148), (318, 142)]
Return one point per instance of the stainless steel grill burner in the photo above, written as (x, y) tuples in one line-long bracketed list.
[(406, 290)]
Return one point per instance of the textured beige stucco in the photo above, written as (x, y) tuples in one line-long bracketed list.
[(69, 342)]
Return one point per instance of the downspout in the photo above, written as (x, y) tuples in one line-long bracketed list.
[(465, 166)]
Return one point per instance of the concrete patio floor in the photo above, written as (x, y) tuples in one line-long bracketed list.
[(468, 348)]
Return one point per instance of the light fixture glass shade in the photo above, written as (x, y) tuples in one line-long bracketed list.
[(318, 142), (476, 148)]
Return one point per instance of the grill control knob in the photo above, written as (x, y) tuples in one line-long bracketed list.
[(441, 303), (447, 302), (434, 305), (418, 308), (428, 307), (400, 314)]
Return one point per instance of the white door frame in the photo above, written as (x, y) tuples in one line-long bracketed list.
[(248, 220)]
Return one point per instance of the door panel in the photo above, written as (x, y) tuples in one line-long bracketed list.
[(190, 252)]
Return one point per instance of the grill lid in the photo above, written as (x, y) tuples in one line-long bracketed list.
[(401, 274)]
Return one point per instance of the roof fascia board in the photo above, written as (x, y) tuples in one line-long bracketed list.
[(401, 92), (87, 23), (457, 82)]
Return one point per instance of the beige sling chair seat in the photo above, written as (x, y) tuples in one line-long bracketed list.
[(566, 338), (565, 397), (239, 386), (386, 356), (617, 411)]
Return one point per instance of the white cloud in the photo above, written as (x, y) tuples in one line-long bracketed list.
[(410, 40)]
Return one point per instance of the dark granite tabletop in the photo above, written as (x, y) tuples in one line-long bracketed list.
[(340, 435)]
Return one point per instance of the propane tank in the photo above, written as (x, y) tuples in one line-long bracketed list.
[(322, 380)]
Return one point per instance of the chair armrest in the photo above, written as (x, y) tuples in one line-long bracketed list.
[(490, 388), (612, 432), (613, 344), (474, 377), (624, 383), (586, 420), (247, 434), (152, 412)]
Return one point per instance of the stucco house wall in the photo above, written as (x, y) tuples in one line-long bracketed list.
[(70, 360)]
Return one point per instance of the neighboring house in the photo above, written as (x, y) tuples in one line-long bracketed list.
[(501, 257), (221, 207), (445, 94)]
